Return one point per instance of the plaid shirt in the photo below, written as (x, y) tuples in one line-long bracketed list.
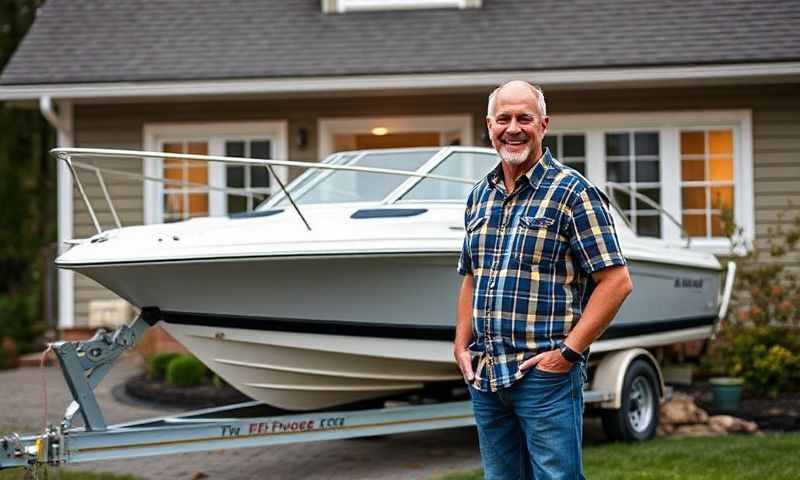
[(531, 254)]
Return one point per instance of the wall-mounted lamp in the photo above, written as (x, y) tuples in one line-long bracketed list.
[(301, 139), (380, 131)]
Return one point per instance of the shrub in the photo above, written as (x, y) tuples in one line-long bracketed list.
[(766, 356), (2, 358), (186, 371), (19, 320), (157, 364), (760, 338)]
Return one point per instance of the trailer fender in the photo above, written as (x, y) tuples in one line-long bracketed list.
[(610, 374)]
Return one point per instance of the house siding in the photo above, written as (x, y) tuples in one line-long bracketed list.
[(776, 144)]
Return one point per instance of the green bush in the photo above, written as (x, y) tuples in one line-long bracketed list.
[(19, 320), (766, 356), (157, 364), (760, 338), (186, 371)]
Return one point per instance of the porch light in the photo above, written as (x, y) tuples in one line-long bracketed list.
[(380, 131)]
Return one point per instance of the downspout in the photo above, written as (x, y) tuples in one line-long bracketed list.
[(62, 122)]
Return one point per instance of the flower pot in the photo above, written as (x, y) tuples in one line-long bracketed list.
[(726, 393)]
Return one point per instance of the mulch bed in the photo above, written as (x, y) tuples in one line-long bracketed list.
[(202, 396), (773, 414)]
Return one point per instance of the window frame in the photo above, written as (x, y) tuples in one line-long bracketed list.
[(444, 124), (215, 134), (669, 125), (344, 6)]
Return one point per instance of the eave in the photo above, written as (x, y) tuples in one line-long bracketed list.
[(359, 85)]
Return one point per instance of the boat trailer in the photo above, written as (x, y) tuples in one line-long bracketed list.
[(85, 363)]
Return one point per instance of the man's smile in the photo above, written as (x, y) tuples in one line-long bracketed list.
[(515, 141)]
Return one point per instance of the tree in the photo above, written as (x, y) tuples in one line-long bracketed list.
[(27, 194)]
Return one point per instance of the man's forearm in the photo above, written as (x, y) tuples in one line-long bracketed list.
[(603, 305), (464, 315)]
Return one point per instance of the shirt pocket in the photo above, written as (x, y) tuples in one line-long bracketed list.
[(536, 240), (476, 238)]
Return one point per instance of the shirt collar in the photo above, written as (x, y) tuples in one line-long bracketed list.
[(534, 175)]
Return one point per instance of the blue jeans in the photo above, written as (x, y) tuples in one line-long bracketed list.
[(533, 429)]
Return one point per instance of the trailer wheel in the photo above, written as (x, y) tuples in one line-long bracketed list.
[(637, 418)]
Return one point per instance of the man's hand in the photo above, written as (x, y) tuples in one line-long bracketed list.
[(464, 361), (550, 361)]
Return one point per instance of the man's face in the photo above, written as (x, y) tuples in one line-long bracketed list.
[(518, 127)]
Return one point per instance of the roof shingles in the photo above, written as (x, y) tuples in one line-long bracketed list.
[(76, 41)]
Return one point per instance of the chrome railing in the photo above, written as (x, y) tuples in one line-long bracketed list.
[(68, 156), (649, 201)]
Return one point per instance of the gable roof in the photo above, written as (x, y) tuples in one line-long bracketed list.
[(84, 41)]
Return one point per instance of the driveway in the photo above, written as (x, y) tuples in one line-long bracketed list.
[(405, 456)]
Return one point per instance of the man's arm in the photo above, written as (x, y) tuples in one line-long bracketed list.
[(464, 328), (595, 245), (612, 286)]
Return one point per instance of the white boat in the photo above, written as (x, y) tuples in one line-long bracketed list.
[(356, 299)]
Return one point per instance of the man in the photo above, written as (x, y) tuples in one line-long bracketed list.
[(539, 241)]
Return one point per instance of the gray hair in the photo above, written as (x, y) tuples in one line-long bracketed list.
[(534, 88)]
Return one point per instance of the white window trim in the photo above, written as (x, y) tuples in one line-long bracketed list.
[(215, 134), (669, 124), (343, 6), (328, 127)]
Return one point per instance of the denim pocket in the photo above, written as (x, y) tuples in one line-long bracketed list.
[(544, 373)]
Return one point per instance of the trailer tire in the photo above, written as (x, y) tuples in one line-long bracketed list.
[(637, 418)]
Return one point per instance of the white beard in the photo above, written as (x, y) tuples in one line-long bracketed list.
[(515, 158)]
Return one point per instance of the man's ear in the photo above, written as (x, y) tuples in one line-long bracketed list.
[(545, 123), (489, 127)]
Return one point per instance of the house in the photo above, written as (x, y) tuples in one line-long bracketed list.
[(694, 104)]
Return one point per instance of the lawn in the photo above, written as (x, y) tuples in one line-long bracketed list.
[(740, 457), (19, 474)]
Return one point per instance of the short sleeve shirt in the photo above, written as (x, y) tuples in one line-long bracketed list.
[(532, 254)]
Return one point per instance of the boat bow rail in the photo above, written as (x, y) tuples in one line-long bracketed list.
[(70, 156)]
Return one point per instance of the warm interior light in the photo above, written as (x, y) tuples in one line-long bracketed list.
[(380, 131)]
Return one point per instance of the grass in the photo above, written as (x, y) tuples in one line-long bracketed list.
[(19, 474), (740, 457)]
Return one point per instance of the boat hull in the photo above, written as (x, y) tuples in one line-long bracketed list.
[(305, 333)]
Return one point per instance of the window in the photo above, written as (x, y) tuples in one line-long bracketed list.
[(706, 180), (188, 195), (254, 179), (457, 164), (694, 164), (342, 6), (569, 149), (204, 195), (342, 186), (632, 161)]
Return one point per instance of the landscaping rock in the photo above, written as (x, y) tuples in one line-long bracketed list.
[(697, 430), (732, 424), (681, 416), (682, 410)]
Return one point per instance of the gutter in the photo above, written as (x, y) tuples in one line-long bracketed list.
[(587, 78), (46, 107)]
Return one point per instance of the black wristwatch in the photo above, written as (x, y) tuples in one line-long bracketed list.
[(569, 354)]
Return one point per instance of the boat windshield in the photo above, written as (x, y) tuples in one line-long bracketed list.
[(341, 186), (473, 165)]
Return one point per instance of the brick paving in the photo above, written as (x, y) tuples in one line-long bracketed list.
[(405, 456)]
